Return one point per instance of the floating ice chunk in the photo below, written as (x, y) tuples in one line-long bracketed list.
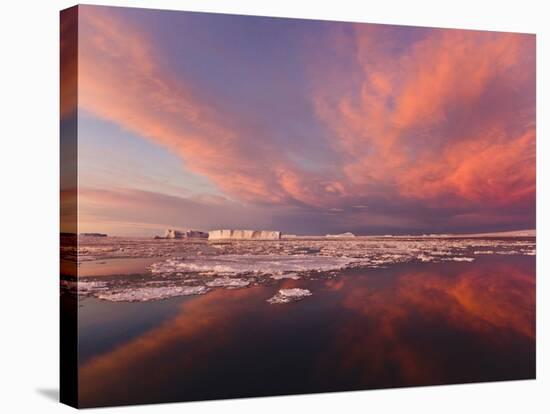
[(83, 287), (425, 258), (194, 265), (293, 276), (461, 259), (289, 295), (86, 287), (228, 283), (144, 294)]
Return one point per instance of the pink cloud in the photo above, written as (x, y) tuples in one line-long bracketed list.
[(68, 61), (122, 79), (452, 114)]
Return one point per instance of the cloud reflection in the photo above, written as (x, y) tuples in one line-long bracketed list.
[(458, 323)]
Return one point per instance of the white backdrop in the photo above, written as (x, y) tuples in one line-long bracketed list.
[(29, 193)]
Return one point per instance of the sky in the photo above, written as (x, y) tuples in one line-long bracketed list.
[(204, 121)]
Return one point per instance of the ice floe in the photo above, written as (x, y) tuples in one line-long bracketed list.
[(289, 295), (144, 294), (293, 276), (460, 259), (233, 265), (228, 282)]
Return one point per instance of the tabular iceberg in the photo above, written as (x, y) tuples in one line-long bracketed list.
[(185, 234), (244, 235)]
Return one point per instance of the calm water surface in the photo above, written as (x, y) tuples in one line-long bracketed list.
[(405, 325)]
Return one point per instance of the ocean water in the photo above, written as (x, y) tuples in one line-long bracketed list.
[(181, 321)]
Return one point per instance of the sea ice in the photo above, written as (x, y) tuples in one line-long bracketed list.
[(144, 294), (289, 295), (461, 259), (228, 282), (233, 265), (192, 267), (293, 276)]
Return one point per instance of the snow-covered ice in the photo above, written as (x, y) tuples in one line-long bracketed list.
[(293, 276), (261, 264), (228, 282), (145, 294), (289, 295)]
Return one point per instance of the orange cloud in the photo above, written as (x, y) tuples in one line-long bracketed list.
[(489, 167), (449, 114)]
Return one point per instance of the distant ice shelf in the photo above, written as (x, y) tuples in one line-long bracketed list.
[(183, 234), (244, 235), (341, 235)]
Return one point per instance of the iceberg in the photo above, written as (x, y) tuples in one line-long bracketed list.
[(184, 234), (244, 235)]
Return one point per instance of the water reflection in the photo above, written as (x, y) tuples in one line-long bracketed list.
[(143, 366), (466, 324), (414, 324)]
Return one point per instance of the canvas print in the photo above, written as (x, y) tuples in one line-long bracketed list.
[(256, 206)]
